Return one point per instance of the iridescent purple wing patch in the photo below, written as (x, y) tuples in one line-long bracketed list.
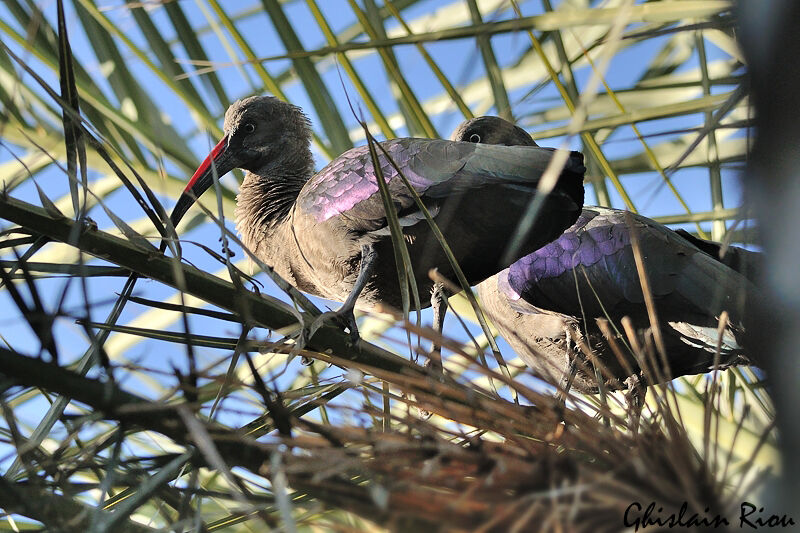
[(351, 179), (582, 244)]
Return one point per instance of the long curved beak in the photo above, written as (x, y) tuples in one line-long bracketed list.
[(221, 161)]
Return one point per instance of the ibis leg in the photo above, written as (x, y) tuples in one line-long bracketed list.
[(439, 305), (345, 312), (566, 380), (635, 398)]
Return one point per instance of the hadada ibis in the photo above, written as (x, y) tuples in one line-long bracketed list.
[(327, 234), (548, 301)]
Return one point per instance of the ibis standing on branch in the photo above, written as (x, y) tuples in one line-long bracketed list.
[(546, 304), (328, 235)]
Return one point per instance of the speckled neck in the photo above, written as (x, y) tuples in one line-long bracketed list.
[(267, 195)]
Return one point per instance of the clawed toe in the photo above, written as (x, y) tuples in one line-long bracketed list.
[(343, 318)]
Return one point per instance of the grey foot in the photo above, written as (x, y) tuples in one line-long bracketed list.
[(345, 319)]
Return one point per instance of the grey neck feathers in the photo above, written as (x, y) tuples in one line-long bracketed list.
[(268, 194)]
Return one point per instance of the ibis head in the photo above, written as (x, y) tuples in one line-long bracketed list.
[(262, 133), (492, 130)]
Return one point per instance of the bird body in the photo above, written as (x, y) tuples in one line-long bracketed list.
[(317, 230), (340, 209), (547, 303), (746, 262)]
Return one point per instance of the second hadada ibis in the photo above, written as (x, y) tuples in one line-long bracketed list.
[(547, 303)]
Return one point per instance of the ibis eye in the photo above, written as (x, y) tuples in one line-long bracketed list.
[(249, 127), (474, 138)]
